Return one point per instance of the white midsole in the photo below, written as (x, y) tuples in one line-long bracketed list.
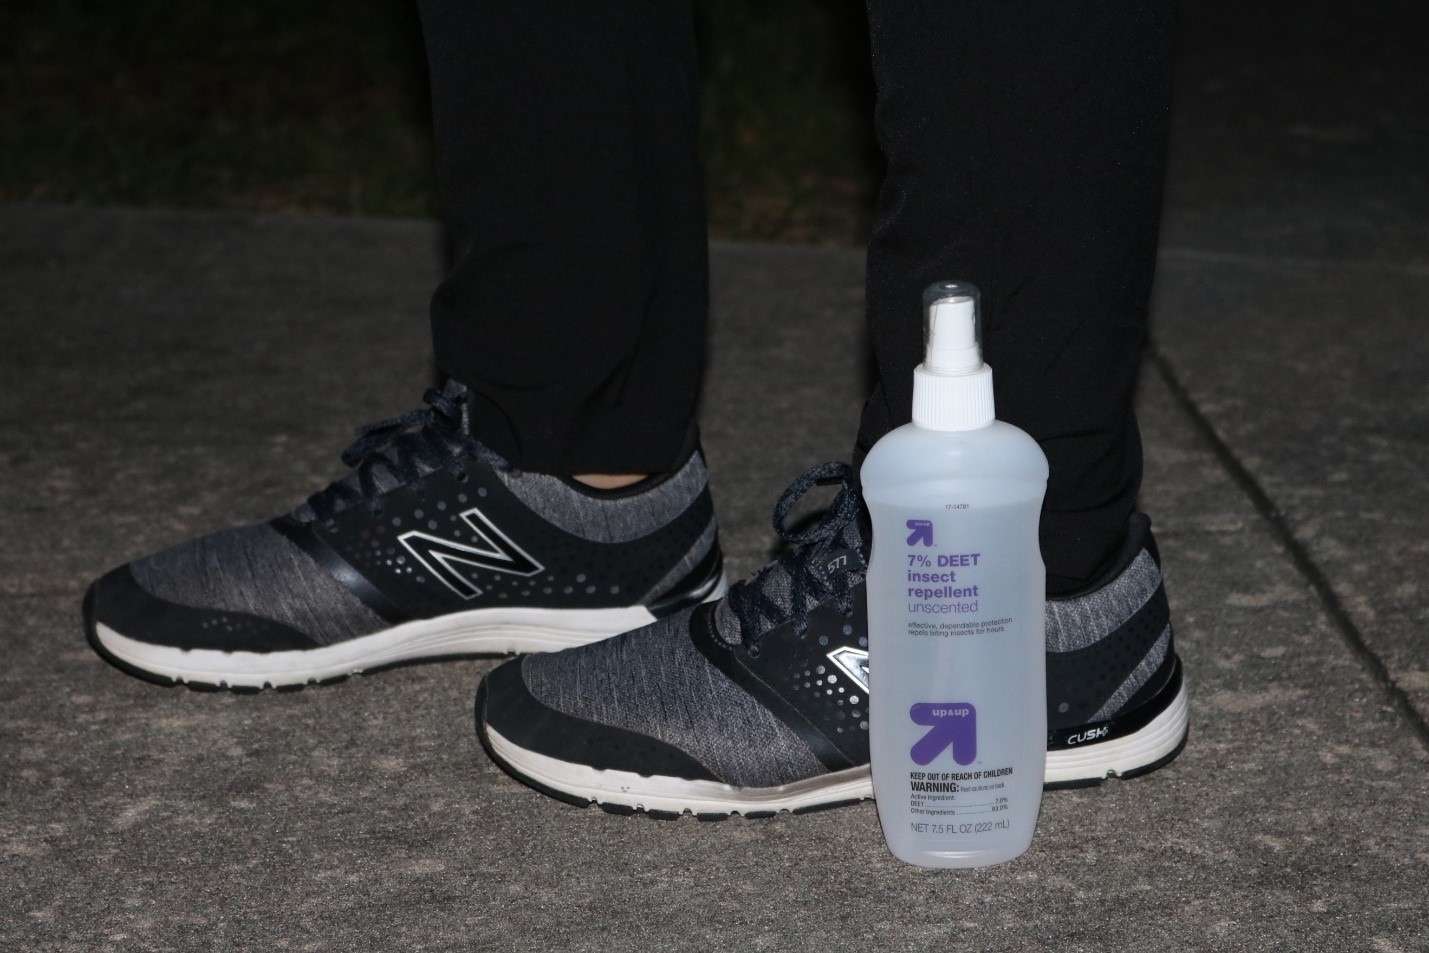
[(1110, 758), (495, 631), (660, 793), (678, 795)]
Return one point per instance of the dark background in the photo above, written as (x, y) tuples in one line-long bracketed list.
[(278, 106), (164, 374)]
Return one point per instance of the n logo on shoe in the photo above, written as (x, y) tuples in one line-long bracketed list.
[(490, 549), (853, 663)]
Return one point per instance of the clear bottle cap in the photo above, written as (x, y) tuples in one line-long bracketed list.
[(952, 388), (943, 290)]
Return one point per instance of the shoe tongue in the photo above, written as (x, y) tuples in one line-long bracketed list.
[(381, 476), (847, 552), (455, 390), (857, 535)]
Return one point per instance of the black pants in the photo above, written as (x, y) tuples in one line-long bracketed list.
[(1025, 143)]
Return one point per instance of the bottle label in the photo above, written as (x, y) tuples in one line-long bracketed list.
[(955, 608), (959, 803), (943, 587), (955, 801)]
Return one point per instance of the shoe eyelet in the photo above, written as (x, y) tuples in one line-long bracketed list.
[(753, 651)]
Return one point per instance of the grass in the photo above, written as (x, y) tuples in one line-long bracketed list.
[(276, 106)]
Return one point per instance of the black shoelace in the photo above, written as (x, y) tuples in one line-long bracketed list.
[(810, 572), (432, 436)]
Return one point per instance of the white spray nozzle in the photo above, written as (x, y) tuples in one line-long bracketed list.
[(952, 337), (952, 388)]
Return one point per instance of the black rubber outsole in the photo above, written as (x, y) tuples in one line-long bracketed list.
[(1123, 776)]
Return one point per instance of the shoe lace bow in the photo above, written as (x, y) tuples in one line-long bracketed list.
[(811, 568), (432, 437)]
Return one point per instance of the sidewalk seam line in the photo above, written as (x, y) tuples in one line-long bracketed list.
[(1299, 555), (1409, 269)]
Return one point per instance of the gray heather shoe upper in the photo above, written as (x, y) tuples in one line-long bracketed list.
[(428, 522), (654, 682), (785, 705)]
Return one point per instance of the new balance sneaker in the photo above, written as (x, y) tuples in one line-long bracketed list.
[(432, 547), (759, 703)]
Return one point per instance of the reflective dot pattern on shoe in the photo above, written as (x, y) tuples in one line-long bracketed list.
[(822, 673), (489, 549)]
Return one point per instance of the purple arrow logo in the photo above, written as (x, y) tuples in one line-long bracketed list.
[(922, 532), (953, 725)]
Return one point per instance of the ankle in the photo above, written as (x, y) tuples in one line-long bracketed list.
[(609, 481)]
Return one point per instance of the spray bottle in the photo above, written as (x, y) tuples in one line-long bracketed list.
[(956, 590)]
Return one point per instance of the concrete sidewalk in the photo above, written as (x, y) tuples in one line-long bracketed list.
[(166, 374), (170, 374)]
